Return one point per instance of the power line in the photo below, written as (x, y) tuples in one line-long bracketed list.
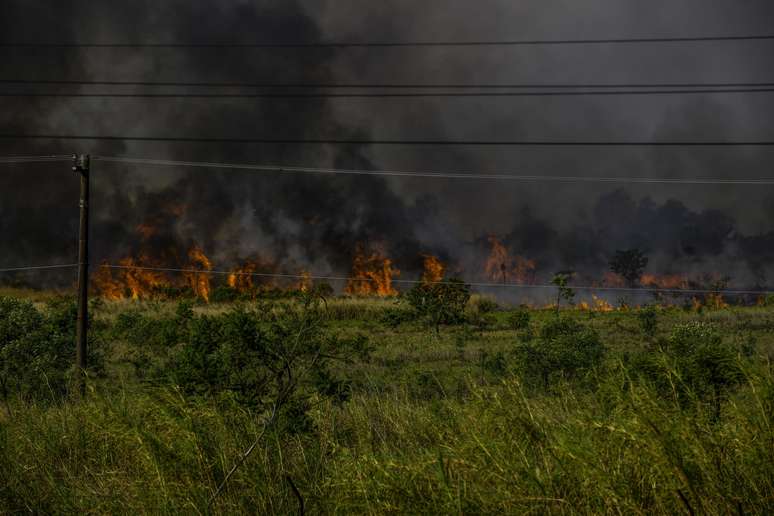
[(33, 159), (40, 268), (56, 82), (420, 282), (334, 141), (387, 44), (383, 95), (433, 175)]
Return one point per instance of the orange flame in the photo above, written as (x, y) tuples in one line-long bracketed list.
[(371, 275), (597, 304), (199, 281), (434, 269), (611, 279), (673, 281), (241, 278), (131, 281), (501, 266), (305, 283)]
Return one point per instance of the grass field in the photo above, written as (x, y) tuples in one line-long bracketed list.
[(473, 418)]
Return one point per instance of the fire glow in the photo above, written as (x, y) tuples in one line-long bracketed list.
[(372, 275), (504, 268)]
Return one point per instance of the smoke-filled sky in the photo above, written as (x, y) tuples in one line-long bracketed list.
[(316, 222)]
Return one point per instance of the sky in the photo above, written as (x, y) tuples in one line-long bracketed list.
[(318, 221)]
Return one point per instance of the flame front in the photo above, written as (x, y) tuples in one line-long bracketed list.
[(372, 274), (501, 266), (305, 282), (434, 269), (199, 281), (673, 281), (241, 278), (130, 281)]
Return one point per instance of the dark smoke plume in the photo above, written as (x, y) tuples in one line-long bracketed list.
[(317, 222)]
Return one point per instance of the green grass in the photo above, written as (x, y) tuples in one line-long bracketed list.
[(431, 428)]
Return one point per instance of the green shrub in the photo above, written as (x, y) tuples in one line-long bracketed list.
[(648, 318), (395, 316), (487, 306), (157, 335), (264, 364), (564, 348), (520, 319), (439, 303), (694, 363), (37, 349), (225, 294)]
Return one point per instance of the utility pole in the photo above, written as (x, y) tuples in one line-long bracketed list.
[(81, 167)]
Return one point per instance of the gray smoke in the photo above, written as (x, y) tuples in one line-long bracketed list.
[(316, 222)]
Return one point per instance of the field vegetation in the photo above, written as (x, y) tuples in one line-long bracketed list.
[(437, 402)]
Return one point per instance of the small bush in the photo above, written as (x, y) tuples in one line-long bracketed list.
[(395, 316), (520, 319), (439, 303), (144, 332), (486, 305), (281, 362), (648, 318), (694, 363), (37, 349), (564, 348), (225, 294)]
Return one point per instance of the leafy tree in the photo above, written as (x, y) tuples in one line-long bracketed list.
[(564, 291), (629, 264)]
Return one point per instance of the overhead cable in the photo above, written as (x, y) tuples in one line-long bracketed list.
[(432, 175)]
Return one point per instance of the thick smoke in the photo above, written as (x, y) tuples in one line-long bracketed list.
[(316, 222), (300, 218)]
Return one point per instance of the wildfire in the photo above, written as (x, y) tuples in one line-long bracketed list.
[(434, 269), (199, 281), (371, 275), (241, 278), (673, 281), (501, 266), (130, 281), (597, 304), (305, 283), (600, 305), (611, 279)]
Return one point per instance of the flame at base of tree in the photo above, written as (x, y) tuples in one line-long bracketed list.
[(372, 275), (502, 267), (434, 269), (305, 282), (199, 281), (241, 279)]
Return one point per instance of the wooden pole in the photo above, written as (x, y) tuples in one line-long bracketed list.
[(81, 166)]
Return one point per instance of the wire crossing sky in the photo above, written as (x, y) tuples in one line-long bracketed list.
[(566, 132), (399, 44)]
